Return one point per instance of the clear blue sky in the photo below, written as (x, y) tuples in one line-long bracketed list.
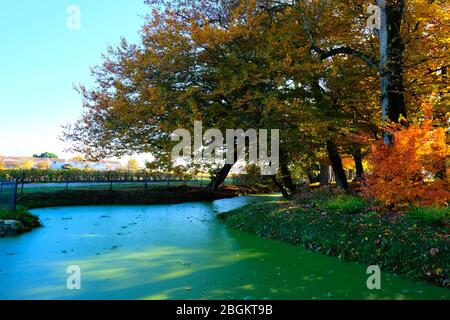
[(41, 59)]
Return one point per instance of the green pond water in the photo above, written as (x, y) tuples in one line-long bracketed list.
[(177, 252)]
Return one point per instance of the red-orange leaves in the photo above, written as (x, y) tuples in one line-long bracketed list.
[(412, 171)]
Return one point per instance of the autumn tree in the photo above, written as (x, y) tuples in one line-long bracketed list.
[(133, 165), (44, 165), (78, 158), (412, 172), (310, 68), (27, 164), (143, 82)]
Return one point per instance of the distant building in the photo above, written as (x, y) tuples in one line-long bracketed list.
[(11, 162), (56, 163), (106, 165)]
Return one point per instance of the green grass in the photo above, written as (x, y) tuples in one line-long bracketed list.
[(115, 186), (431, 215), (397, 243), (21, 214), (344, 204)]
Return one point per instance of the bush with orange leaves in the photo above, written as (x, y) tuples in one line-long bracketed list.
[(412, 171)]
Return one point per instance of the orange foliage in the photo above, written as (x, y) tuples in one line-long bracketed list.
[(348, 163), (413, 170)]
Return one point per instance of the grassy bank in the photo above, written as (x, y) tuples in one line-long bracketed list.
[(22, 215), (150, 196), (414, 244)]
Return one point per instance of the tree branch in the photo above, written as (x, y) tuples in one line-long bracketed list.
[(348, 51)]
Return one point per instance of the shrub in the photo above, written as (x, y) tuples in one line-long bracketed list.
[(411, 172), (431, 215), (21, 214), (345, 204)]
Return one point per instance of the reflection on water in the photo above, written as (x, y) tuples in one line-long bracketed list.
[(176, 252)]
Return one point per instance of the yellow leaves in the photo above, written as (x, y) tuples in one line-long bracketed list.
[(287, 61)]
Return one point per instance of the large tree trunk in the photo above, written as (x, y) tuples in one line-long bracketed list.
[(390, 64), (336, 163), (285, 172), (280, 186), (218, 179), (221, 174), (324, 175), (392, 50), (357, 157), (311, 177)]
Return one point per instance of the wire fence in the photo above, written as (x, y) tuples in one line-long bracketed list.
[(8, 192), (36, 180)]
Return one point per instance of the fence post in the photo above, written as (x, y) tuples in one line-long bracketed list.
[(146, 178), (23, 179), (15, 196), (67, 181)]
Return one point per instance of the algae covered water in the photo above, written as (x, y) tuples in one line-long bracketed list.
[(178, 251)]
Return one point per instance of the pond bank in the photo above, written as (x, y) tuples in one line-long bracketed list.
[(17, 222), (128, 197), (401, 245)]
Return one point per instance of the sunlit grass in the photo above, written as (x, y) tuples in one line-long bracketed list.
[(344, 204), (431, 215)]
